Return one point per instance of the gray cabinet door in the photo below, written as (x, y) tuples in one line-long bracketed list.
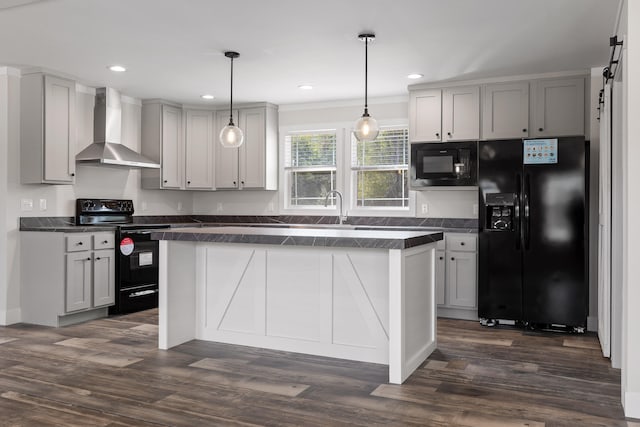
[(171, 147), (103, 278), (505, 110), (461, 275), (59, 129), (252, 152), (461, 113), (78, 281), (226, 158), (199, 150), (425, 116), (558, 107)]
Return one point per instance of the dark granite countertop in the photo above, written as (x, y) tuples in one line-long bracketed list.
[(448, 225), (304, 236)]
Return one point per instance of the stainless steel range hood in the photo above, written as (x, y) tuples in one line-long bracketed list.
[(106, 148)]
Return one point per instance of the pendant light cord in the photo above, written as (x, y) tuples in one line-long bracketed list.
[(366, 73), (231, 100)]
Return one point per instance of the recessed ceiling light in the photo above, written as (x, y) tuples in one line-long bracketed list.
[(415, 76), (305, 87), (207, 96), (117, 68)]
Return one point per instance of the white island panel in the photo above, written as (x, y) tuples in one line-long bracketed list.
[(296, 282), (373, 305)]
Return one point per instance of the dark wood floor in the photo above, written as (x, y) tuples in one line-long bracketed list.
[(109, 373)]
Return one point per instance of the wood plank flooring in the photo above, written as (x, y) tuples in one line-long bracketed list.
[(108, 372)]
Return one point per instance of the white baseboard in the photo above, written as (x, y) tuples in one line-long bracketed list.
[(592, 323), (631, 404), (10, 317)]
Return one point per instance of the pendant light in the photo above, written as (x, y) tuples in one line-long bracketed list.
[(366, 127), (231, 135)]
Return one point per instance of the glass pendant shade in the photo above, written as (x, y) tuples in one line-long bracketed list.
[(231, 136), (366, 128)]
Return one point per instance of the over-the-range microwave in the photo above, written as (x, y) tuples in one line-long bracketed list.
[(444, 164)]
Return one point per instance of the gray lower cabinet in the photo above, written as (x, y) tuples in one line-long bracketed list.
[(66, 277), (456, 276)]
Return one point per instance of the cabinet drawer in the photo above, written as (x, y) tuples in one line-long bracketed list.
[(103, 241), (78, 242), (461, 242)]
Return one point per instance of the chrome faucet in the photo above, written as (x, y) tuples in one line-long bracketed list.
[(341, 218)]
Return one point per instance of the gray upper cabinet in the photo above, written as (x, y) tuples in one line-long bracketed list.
[(162, 142), (48, 129), (558, 107), (425, 116), (199, 150), (505, 110), (461, 113), (450, 114), (254, 165)]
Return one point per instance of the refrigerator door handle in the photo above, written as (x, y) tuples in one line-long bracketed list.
[(516, 212), (525, 226)]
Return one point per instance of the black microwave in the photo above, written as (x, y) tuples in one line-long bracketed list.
[(444, 164)]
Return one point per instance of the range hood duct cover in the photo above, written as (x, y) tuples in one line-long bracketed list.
[(107, 148)]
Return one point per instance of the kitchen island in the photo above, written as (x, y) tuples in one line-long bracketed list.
[(364, 295)]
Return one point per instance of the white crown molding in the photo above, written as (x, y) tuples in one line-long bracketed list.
[(130, 100), (503, 79), (85, 89), (397, 99), (9, 71)]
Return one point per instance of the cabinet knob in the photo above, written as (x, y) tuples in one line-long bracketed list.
[(540, 129), (188, 182), (441, 257), (104, 242), (461, 243), (88, 259), (453, 259), (242, 182), (79, 243), (437, 135), (165, 181), (98, 258), (449, 133), (524, 130), (234, 183), (73, 174)]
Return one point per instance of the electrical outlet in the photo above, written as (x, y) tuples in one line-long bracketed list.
[(144, 205), (43, 204), (27, 204), (219, 207), (475, 209), (425, 208), (179, 206)]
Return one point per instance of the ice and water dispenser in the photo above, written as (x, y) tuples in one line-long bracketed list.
[(500, 211)]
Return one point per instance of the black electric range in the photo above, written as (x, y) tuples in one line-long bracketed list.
[(136, 255)]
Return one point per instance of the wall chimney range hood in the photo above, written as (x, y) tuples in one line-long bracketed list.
[(107, 148)]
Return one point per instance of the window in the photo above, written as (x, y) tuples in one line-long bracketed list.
[(310, 167), (380, 169)]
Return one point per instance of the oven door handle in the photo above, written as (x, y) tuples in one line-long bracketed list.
[(143, 293)]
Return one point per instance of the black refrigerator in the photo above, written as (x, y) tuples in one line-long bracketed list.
[(533, 237)]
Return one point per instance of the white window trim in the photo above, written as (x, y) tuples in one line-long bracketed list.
[(345, 181), (285, 207)]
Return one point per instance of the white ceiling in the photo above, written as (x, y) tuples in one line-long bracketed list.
[(173, 49)]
